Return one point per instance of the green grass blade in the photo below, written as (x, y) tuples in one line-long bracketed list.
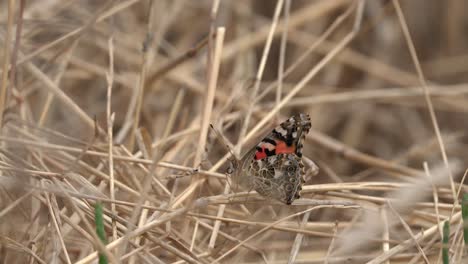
[(465, 217), (98, 214), (445, 240)]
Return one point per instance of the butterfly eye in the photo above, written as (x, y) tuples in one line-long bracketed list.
[(231, 169)]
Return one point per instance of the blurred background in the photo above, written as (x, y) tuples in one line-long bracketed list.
[(354, 75)]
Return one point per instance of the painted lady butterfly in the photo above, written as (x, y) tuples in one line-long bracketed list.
[(274, 166)]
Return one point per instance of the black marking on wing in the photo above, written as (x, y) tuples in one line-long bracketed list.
[(270, 152), (269, 140), (298, 124), (276, 134)]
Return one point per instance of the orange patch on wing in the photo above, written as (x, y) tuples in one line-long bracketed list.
[(260, 154), (281, 147)]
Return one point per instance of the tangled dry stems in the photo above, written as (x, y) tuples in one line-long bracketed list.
[(111, 102)]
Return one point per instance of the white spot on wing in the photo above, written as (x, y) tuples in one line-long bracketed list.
[(267, 145), (259, 163), (281, 130), (272, 159), (278, 174)]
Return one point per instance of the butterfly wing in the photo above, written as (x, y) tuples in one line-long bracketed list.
[(279, 177), (274, 167), (286, 138)]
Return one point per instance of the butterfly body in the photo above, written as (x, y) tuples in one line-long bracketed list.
[(274, 166)]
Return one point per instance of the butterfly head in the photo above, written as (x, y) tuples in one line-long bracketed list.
[(233, 165)]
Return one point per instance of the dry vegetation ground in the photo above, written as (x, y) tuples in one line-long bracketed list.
[(383, 82)]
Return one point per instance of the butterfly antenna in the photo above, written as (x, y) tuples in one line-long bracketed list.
[(223, 142), (232, 159)]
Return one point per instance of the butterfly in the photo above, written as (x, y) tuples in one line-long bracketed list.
[(274, 166)]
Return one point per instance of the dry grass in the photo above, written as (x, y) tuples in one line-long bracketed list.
[(111, 102)]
